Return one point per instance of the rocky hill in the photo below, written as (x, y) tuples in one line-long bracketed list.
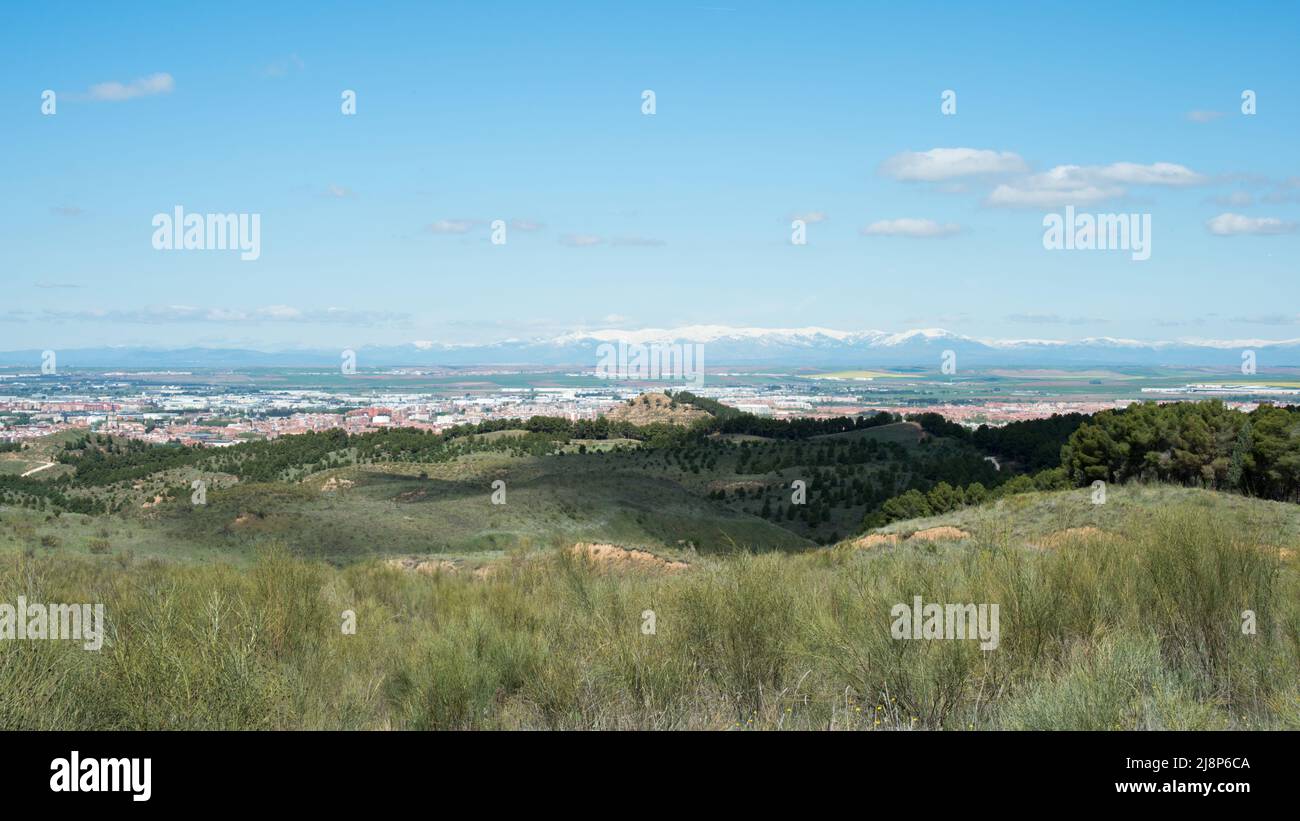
[(649, 408)]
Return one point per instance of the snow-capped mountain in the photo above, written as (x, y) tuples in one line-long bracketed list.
[(723, 345), (924, 347)]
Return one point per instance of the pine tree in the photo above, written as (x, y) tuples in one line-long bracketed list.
[(1240, 450)]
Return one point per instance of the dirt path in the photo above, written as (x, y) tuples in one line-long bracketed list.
[(45, 466)]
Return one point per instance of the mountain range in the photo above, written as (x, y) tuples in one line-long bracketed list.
[(723, 345)]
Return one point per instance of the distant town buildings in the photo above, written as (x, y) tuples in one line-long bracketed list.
[(218, 416)]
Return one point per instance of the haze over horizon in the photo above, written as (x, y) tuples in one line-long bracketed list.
[(816, 348), (718, 333)]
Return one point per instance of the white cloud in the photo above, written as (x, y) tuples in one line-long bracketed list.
[(637, 242), (1087, 184), (1053, 319), (1237, 199), (1033, 196), (113, 91), (1287, 190), (1204, 116), (463, 225), (1229, 225), (453, 226), (1269, 319), (1159, 173), (581, 240), (283, 66), (939, 164), (155, 314), (592, 240), (282, 312), (907, 227), (811, 217)]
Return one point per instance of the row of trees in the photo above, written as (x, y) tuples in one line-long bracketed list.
[(799, 428), (1204, 444), (943, 497), (1200, 444), (1033, 444)]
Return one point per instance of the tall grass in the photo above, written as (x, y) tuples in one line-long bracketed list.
[(1141, 629)]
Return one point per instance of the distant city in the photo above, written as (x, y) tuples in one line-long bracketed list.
[(222, 407)]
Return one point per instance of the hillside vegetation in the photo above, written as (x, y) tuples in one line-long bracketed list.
[(664, 575), (695, 476), (725, 482), (1135, 626)]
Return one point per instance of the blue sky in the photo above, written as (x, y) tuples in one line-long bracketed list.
[(375, 227)]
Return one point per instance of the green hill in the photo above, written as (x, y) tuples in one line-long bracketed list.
[(1176, 611), (347, 514), (709, 486), (1028, 517)]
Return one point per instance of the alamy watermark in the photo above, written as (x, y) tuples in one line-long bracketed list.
[(77, 774), (1098, 232), (1248, 363), (179, 231), (73, 622), (673, 361), (946, 621)]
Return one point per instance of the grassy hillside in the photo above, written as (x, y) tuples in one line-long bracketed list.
[(37, 456), (351, 513), (1165, 607), (660, 486), (1031, 517), (1136, 625), (354, 513)]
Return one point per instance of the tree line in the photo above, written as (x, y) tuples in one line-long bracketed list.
[(1200, 444), (1195, 444)]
